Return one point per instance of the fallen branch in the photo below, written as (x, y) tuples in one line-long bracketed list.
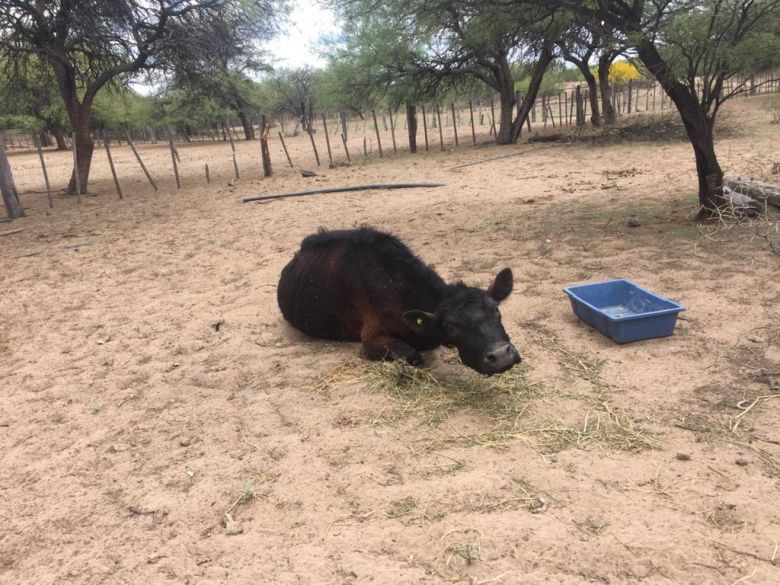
[(343, 190), (492, 158), (764, 193), (11, 232)]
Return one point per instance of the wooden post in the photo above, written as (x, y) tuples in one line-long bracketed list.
[(441, 134), (571, 108), (492, 117), (13, 207), (425, 127), (392, 131), (471, 117), (630, 91), (346, 148), (76, 167), (265, 153), (560, 113), (208, 176), (110, 164), (140, 162), (454, 123), (411, 126), (376, 129), (327, 139), (313, 145), (45, 173), (344, 124), (233, 149), (173, 157), (566, 108), (580, 113), (287, 154), (365, 149)]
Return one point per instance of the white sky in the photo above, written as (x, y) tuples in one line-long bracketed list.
[(309, 22), (297, 46)]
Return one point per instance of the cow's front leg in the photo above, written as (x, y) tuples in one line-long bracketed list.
[(378, 345)]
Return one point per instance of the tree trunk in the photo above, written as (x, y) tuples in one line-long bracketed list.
[(699, 127), (506, 112), (533, 90), (80, 116), (13, 208), (59, 138), (411, 126), (593, 94), (607, 110), (249, 129)]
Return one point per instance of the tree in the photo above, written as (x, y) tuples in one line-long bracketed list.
[(693, 48), (92, 43), (294, 93), (28, 88), (223, 74), (442, 43), (578, 46)]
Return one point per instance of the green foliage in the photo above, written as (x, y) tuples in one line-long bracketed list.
[(554, 81), (724, 38), (28, 92)]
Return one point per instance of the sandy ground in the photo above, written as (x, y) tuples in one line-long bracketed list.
[(129, 424)]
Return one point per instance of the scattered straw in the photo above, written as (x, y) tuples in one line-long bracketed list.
[(418, 392), (504, 400)]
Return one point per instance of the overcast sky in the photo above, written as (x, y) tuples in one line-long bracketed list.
[(297, 46)]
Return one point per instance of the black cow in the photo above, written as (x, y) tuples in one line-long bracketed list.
[(365, 285)]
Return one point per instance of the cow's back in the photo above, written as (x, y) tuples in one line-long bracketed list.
[(340, 279)]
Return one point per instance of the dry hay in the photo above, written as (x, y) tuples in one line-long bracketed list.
[(514, 407)]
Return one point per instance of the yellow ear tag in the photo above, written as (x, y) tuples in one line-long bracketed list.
[(419, 321)]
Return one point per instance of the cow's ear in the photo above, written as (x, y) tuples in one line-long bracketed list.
[(420, 321), (501, 286)]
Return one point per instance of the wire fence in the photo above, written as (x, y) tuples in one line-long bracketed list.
[(333, 139)]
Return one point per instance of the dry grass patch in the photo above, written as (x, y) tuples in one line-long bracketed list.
[(419, 393), (510, 402)]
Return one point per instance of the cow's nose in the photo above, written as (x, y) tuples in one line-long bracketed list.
[(502, 357)]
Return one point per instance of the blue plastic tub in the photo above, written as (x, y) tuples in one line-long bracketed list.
[(623, 310)]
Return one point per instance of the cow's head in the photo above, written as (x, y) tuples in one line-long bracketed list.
[(469, 320)]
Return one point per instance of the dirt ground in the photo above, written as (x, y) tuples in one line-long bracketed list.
[(131, 423)]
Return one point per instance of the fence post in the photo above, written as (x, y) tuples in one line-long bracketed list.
[(471, 117), (454, 123), (392, 131), (313, 145), (140, 162), (173, 157), (346, 148), (327, 138), (425, 127), (580, 113), (110, 164), (284, 146), (265, 129), (45, 173), (13, 207), (376, 129), (441, 134)]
